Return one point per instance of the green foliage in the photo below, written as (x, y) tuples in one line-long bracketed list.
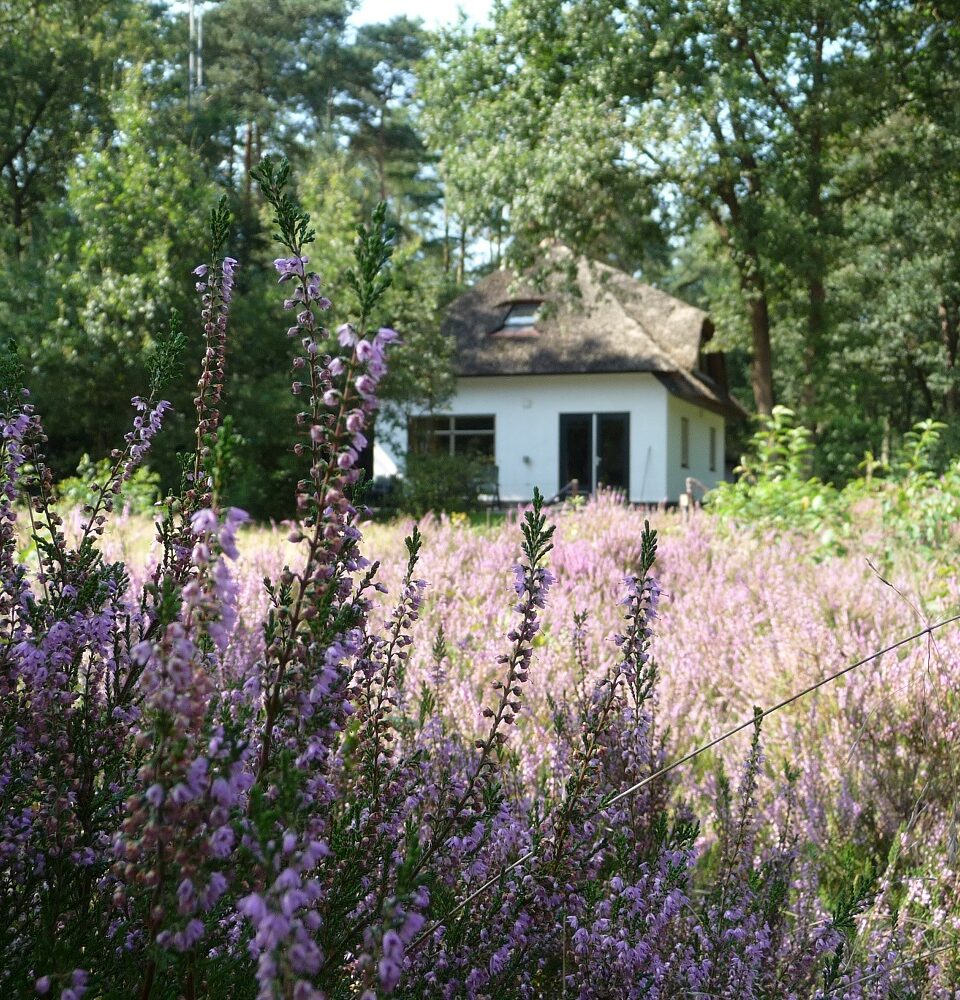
[(59, 61), (371, 278), (440, 482), (11, 374), (293, 224), (916, 503), (116, 280), (225, 464), (790, 165), (166, 363), (420, 375), (138, 495), (908, 501), (774, 486)]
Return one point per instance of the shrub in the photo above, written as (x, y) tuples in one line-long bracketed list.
[(138, 495), (774, 487), (907, 501), (437, 482)]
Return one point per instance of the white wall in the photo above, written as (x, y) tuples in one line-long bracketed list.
[(701, 421), (527, 411)]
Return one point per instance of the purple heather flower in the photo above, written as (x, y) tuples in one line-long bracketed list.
[(364, 350), (290, 267), (203, 521), (366, 386)]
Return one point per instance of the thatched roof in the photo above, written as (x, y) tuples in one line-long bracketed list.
[(614, 324)]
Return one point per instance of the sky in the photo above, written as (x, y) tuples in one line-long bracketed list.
[(435, 13)]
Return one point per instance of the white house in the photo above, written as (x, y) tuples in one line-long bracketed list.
[(586, 378)]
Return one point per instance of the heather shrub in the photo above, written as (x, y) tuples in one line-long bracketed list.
[(301, 791)]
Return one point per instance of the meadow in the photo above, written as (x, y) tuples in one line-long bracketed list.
[(858, 778), (337, 759)]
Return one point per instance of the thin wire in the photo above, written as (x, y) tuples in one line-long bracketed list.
[(885, 972), (633, 789)]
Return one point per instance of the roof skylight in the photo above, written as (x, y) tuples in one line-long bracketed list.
[(521, 314)]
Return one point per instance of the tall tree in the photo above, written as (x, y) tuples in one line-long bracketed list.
[(736, 113), (118, 263), (60, 59), (378, 104), (270, 74)]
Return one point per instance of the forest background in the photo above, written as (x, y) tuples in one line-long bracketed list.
[(789, 165)]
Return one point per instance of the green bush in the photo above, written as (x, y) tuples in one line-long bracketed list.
[(774, 485), (138, 494), (907, 500), (437, 482)]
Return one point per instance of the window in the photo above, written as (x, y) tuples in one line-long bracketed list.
[(713, 449), (521, 314), (465, 436), (684, 443)]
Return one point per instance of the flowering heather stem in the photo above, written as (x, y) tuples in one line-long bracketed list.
[(532, 582), (341, 401), (146, 426), (380, 665), (216, 295)]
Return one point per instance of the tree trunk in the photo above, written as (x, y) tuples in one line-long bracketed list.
[(446, 236), (462, 259), (761, 374), (816, 265), (17, 220), (248, 162), (950, 331)]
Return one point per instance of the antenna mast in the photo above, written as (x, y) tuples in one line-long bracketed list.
[(195, 57), (191, 58)]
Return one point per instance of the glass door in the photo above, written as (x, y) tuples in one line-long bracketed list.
[(576, 452), (613, 450), (595, 450)]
